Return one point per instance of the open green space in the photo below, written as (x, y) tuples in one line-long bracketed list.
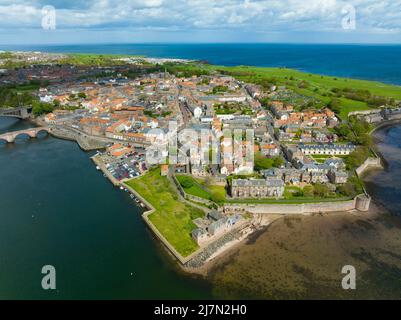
[(202, 188), (322, 158), (284, 75), (172, 217), (191, 186), (217, 190)]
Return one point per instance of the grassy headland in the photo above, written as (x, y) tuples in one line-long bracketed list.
[(342, 95)]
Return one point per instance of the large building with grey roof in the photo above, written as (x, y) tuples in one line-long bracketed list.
[(257, 188)]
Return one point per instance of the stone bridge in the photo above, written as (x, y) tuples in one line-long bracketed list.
[(20, 113), (31, 132)]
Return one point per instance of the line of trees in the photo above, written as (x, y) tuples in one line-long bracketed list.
[(363, 95), (12, 98)]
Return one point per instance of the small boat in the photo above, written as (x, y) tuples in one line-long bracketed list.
[(142, 205), (97, 168), (121, 188)]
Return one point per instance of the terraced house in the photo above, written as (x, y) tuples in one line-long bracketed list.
[(257, 188), (327, 149)]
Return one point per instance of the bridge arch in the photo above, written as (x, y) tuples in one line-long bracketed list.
[(41, 130), (23, 134), (30, 133)]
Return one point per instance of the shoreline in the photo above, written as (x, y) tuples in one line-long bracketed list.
[(229, 249), (228, 253)]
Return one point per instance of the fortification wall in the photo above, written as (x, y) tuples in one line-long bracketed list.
[(305, 208), (364, 112), (368, 164)]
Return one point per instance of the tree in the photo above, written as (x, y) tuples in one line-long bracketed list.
[(321, 190), (308, 191), (264, 163), (56, 103), (335, 105), (82, 95), (348, 189), (356, 158), (39, 108), (186, 182), (278, 162)]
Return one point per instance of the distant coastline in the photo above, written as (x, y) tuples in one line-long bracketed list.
[(341, 60)]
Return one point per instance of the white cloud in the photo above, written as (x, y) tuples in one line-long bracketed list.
[(222, 15)]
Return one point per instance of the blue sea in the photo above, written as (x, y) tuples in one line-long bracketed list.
[(370, 62)]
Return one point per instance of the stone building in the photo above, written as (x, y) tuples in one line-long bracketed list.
[(200, 235), (257, 188), (338, 177)]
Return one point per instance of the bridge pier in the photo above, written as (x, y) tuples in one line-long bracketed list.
[(8, 139)]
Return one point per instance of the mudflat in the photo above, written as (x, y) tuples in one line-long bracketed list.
[(301, 257)]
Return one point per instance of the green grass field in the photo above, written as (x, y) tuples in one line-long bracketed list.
[(221, 190), (172, 217), (322, 158), (316, 81), (199, 189), (195, 189), (214, 189)]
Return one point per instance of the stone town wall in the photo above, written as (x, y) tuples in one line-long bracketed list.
[(368, 164), (259, 208)]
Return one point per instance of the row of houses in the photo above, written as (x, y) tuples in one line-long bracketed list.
[(257, 188), (327, 149)]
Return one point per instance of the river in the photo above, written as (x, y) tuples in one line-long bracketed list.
[(57, 209)]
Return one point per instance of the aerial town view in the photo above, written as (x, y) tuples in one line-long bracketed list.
[(169, 171)]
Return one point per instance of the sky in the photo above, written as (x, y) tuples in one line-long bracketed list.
[(199, 21)]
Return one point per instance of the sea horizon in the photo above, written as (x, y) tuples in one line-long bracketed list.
[(374, 62)]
